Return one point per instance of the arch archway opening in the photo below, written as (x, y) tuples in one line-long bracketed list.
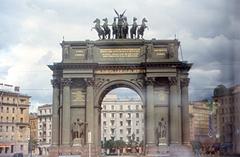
[(122, 121)]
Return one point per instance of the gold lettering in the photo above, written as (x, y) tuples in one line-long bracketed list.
[(160, 51), (119, 71), (121, 52)]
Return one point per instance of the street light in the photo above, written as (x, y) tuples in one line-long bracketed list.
[(30, 146)]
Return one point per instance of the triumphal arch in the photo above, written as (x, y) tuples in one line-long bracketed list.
[(90, 69)]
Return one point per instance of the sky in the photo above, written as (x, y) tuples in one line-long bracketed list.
[(31, 30)]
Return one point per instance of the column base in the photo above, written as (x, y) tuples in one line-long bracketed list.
[(83, 151)]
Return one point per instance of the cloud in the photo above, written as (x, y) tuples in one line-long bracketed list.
[(31, 32)]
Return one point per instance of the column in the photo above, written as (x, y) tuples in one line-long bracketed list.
[(185, 110), (174, 109), (55, 113), (90, 108), (150, 131), (66, 128)]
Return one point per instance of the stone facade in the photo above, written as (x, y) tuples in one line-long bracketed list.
[(122, 119), (228, 116), (33, 124), (90, 69), (44, 128), (14, 123), (199, 121)]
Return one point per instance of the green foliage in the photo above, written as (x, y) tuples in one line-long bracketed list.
[(109, 144), (120, 144), (114, 144)]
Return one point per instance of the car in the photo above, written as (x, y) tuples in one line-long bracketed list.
[(18, 155)]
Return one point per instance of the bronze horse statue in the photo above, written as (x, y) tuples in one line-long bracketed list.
[(142, 28), (98, 28), (107, 31), (133, 29)]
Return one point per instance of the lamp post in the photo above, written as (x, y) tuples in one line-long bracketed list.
[(30, 146)]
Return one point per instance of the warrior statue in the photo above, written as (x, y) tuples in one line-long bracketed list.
[(134, 28), (107, 31), (98, 28), (120, 24), (114, 29), (125, 28), (78, 129), (142, 28), (161, 130)]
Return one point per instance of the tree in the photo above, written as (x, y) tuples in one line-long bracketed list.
[(120, 144), (109, 144)]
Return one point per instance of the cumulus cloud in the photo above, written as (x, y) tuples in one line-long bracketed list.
[(31, 31)]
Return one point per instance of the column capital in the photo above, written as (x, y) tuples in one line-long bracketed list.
[(185, 82), (150, 80), (66, 82), (90, 81), (55, 83), (172, 81)]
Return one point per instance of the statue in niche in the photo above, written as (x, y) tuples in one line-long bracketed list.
[(78, 131), (161, 131), (74, 130)]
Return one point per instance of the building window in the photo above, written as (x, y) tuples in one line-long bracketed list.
[(121, 138), (104, 107), (12, 119), (21, 147), (112, 107), (104, 123), (13, 110), (21, 110), (7, 119), (129, 107), (21, 120), (0, 128), (112, 115), (112, 131), (12, 128), (1, 109), (137, 139), (129, 115), (120, 115), (112, 122), (129, 122), (137, 115), (121, 131), (7, 110), (1, 118), (6, 128), (121, 107), (137, 123), (137, 131), (121, 123), (104, 115), (129, 130)]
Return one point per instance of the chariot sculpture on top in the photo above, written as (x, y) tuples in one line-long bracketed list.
[(120, 28)]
